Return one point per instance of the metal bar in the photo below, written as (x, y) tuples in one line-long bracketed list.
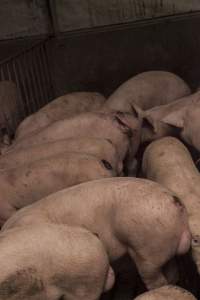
[(46, 71), (10, 77), (31, 72), (34, 81), (8, 72), (21, 109), (51, 89), (28, 94), (2, 74), (44, 79), (40, 76), (36, 70), (23, 86)]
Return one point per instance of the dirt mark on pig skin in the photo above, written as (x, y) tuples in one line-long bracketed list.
[(178, 203), (161, 154), (23, 282)]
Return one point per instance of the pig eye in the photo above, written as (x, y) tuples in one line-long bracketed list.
[(62, 297), (196, 241), (106, 164)]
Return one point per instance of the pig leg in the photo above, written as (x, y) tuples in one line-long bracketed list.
[(150, 271), (170, 271)]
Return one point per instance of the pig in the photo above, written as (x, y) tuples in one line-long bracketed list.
[(8, 114), (51, 262), (168, 292), (31, 182), (147, 90), (122, 129), (61, 108), (129, 215), (168, 162), (174, 119), (94, 146)]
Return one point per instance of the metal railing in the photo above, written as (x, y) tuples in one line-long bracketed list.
[(30, 71)]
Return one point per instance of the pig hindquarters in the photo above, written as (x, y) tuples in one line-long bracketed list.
[(53, 262)]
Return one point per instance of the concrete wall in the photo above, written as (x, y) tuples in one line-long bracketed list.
[(22, 18), (76, 14), (101, 60)]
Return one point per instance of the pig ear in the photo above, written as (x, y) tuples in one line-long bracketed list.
[(137, 111), (150, 123), (175, 119)]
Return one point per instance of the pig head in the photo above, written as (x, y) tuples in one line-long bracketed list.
[(180, 118)]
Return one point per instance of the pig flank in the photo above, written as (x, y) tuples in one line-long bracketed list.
[(28, 183), (101, 148)]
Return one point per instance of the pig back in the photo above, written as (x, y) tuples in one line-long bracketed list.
[(65, 106)]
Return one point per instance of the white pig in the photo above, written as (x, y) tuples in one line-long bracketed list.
[(168, 162), (129, 215), (53, 262), (147, 90), (61, 108), (26, 184)]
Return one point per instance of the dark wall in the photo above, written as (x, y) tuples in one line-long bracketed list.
[(26, 18), (77, 14), (101, 59)]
